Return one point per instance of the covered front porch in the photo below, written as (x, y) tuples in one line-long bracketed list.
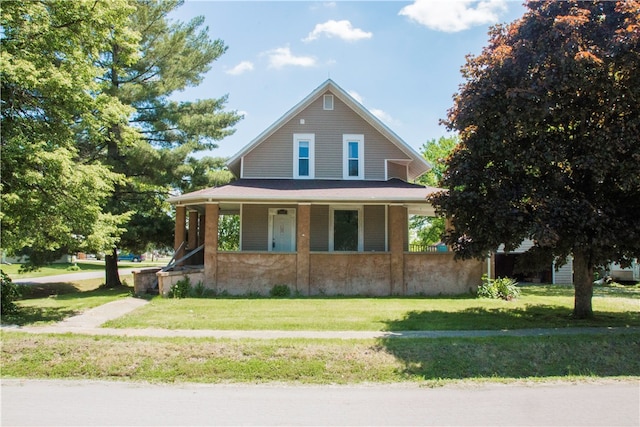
[(349, 245)]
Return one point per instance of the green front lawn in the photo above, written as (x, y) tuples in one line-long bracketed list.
[(537, 307), (52, 302), (318, 361), (425, 361)]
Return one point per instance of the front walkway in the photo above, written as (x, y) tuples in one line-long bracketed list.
[(88, 323)]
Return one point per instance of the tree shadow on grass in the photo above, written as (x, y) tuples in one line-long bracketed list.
[(595, 355), (44, 290), (30, 315), (46, 312), (529, 316), (517, 357)]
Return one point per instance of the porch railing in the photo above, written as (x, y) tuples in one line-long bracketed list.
[(427, 248)]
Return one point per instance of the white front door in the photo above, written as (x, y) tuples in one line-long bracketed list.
[(282, 230)]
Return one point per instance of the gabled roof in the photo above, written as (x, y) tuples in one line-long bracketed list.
[(418, 164), (309, 190)]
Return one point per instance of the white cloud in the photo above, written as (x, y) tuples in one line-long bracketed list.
[(341, 29), (454, 15), (380, 114), (282, 57), (355, 95), (384, 116), (242, 67)]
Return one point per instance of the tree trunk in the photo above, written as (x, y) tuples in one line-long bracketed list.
[(112, 277), (583, 284)]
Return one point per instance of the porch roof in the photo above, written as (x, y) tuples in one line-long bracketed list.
[(294, 191)]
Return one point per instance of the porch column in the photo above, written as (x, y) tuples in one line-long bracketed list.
[(211, 246), (192, 236), (201, 225), (396, 247), (181, 218), (303, 243)]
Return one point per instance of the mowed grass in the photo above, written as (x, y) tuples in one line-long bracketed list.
[(423, 361), (53, 302), (537, 307)]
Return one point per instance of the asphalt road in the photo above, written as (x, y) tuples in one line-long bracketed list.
[(90, 403)]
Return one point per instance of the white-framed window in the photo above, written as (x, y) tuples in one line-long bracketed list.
[(353, 156), (303, 156), (327, 102), (346, 228)]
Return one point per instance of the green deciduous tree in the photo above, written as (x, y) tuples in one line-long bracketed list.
[(171, 56), (549, 119), (51, 197), (436, 152), (429, 230)]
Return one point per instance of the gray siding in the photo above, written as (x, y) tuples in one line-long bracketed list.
[(394, 170), (273, 158), (319, 239), (374, 229), (255, 226), (255, 219)]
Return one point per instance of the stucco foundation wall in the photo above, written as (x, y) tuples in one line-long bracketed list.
[(365, 274), (143, 280), (241, 273), (169, 278), (439, 273)]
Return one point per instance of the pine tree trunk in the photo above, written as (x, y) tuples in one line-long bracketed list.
[(583, 285), (112, 279)]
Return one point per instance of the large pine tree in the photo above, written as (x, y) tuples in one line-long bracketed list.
[(171, 57)]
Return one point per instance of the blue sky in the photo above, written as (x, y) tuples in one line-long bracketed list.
[(400, 59)]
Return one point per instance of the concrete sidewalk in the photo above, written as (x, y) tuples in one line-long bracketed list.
[(88, 323)]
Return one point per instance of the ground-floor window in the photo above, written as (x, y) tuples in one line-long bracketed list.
[(345, 229)]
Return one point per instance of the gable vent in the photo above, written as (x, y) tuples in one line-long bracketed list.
[(328, 102)]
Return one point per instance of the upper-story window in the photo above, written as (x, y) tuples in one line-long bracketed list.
[(327, 102), (303, 156), (353, 156)]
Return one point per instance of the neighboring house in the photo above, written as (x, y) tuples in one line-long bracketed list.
[(324, 197), (505, 265), (628, 274)]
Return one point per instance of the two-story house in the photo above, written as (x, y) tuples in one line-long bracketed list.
[(324, 197)]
